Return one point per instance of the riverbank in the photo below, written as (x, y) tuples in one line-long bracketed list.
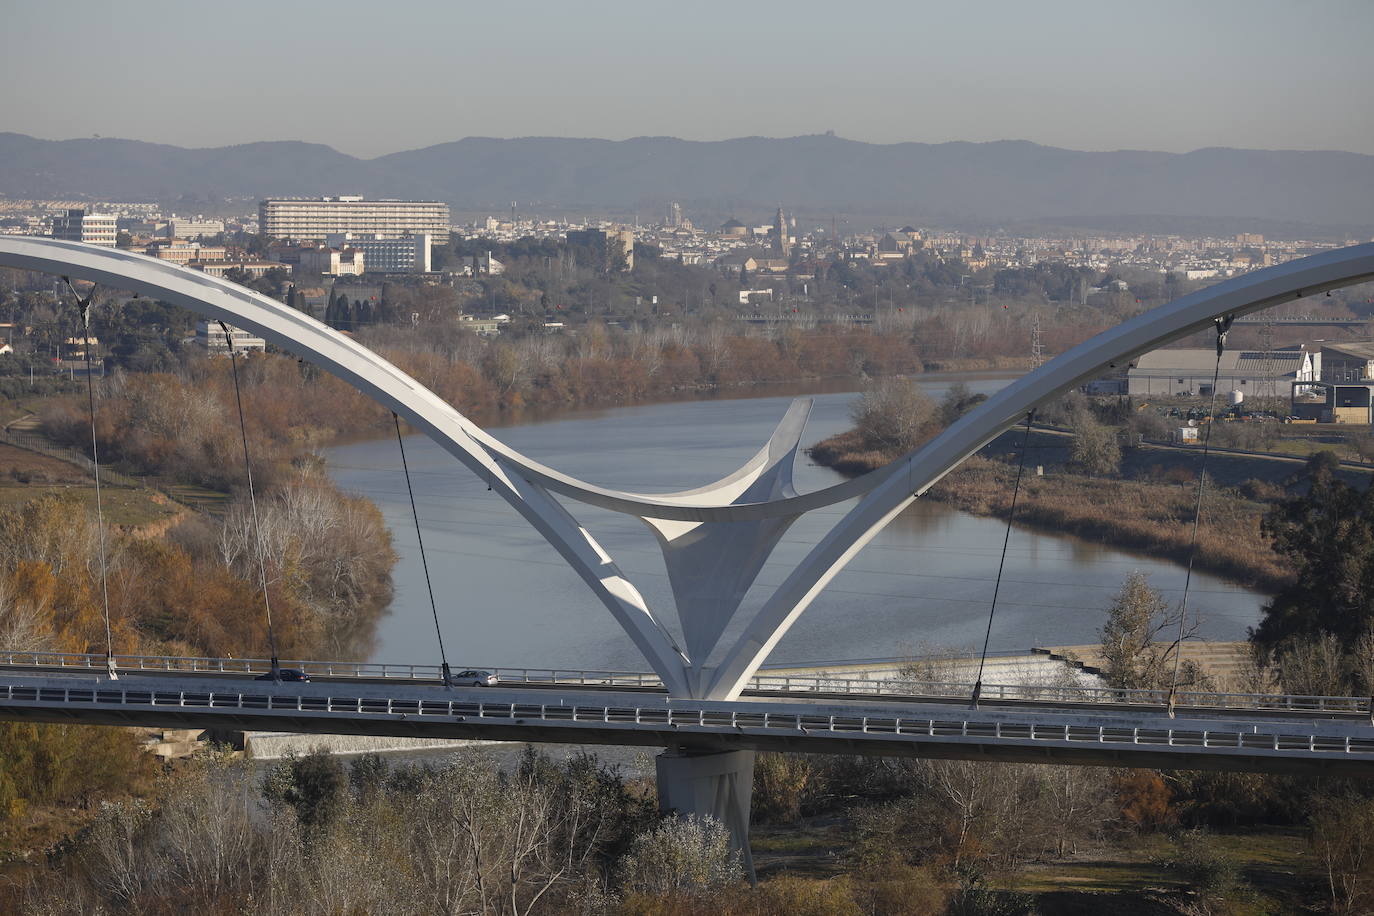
[(1147, 515)]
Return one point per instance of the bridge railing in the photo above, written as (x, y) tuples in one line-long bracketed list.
[(145, 702), (1070, 694), (1073, 694), (317, 668)]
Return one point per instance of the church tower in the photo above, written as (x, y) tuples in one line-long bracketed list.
[(782, 244)]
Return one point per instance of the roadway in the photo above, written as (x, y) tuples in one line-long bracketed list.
[(1226, 739), (887, 698), (1124, 735)]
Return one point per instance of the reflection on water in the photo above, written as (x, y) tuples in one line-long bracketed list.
[(507, 599)]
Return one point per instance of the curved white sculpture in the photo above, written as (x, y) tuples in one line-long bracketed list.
[(715, 538)]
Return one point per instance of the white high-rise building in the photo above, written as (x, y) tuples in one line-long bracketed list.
[(91, 228), (315, 219)]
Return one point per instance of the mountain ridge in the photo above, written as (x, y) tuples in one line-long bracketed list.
[(986, 182)]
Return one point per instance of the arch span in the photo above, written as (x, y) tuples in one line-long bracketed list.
[(715, 538)]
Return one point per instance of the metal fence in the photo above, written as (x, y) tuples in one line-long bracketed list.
[(740, 722), (34, 442)]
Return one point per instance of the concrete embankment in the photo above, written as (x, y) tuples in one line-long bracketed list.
[(1032, 667), (275, 745)]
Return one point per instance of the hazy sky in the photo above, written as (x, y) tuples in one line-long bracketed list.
[(384, 75)]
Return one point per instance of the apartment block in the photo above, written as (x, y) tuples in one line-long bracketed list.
[(315, 219), (91, 228)]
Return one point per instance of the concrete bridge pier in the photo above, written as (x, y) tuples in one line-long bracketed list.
[(715, 783)]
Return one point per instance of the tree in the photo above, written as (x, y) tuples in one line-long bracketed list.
[(314, 785), (1328, 536), (893, 415), (1132, 655), (1314, 666), (958, 401), (1095, 447), (1343, 839)]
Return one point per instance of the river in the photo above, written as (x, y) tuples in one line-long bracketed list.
[(506, 599)]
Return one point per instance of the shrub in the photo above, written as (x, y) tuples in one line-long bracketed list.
[(682, 856), (900, 890), (1145, 800), (1209, 873), (797, 896), (974, 898), (781, 783)]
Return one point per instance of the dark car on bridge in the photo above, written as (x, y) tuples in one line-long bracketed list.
[(285, 674)]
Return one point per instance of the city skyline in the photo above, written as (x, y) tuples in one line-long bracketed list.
[(1168, 77)]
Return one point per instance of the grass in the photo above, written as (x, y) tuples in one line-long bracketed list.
[(124, 508), (815, 848), (199, 498), (26, 475), (1278, 871), (1122, 876)]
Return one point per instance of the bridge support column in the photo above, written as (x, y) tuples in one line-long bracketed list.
[(715, 783)]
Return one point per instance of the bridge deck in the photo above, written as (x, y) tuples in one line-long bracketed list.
[(1271, 741)]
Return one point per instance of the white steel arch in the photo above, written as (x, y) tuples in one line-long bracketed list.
[(714, 538)]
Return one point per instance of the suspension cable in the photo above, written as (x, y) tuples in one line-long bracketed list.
[(85, 307), (1001, 564), (424, 562), (253, 503), (1223, 325)]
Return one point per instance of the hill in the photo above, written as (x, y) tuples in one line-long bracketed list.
[(995, 183)]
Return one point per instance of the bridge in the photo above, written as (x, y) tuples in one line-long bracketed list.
[(707, 706), (1308, 321)]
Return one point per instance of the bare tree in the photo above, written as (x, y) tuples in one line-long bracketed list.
[(1362, 661), (1343, 839), (23, 623), (1137, 619), (893, 415), (1315, 666)]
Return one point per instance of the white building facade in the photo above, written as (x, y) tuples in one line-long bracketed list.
[(1188, 372), (350, 262), (382, 255), (315, 219), (211, 336), (91, 228), (193, 228)]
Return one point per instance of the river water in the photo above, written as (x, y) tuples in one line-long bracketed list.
[(506, 599)]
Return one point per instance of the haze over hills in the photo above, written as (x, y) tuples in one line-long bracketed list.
[(982, 183)]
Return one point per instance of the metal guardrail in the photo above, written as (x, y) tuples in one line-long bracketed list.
[(712, 719), (1064, 694), (791, 683), (198, 665)]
